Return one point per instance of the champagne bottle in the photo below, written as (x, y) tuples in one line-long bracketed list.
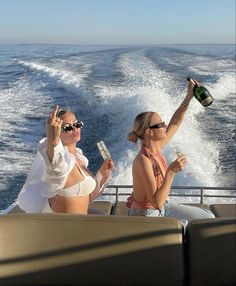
[(202, 94)]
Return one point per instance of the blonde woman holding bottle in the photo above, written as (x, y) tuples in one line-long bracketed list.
[(152, 176)]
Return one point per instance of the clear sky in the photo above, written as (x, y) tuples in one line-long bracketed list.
[(117, 21)]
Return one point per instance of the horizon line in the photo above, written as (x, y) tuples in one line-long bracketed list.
[(113, 44)]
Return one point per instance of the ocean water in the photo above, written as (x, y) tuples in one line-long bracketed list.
[(107, 86)]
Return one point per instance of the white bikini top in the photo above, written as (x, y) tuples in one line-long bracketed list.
[(82, 188)]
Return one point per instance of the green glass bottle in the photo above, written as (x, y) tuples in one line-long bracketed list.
[(202, 94)]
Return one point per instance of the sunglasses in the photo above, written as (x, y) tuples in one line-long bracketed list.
[(158, 125), (69, 127)]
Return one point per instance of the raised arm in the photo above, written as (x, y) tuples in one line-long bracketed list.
[(53, 131), (179, 114)]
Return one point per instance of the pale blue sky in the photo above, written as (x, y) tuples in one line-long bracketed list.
[(117, 21)]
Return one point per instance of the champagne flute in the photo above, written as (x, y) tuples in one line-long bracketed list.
[(179, 153), (103, 150)]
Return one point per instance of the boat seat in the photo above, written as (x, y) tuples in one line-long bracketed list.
[(210, 252), (62, 249), (224, 210), (16, 210), (96, 207), (100, 207), (121, 209)]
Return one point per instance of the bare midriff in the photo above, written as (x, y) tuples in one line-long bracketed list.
[(75, 205)]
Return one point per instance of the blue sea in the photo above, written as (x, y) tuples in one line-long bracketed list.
[(107, 86)]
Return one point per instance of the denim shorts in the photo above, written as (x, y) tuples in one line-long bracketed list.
[(146, 212), (175, 210)]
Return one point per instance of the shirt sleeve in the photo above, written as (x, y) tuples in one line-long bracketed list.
[(57, 171), (45, 178)]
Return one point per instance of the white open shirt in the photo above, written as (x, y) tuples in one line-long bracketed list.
[(46, 178)]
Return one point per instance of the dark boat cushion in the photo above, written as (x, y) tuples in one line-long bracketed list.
[(224, 210), (210, 252), (62, 249)]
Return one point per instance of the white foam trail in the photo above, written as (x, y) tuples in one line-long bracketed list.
[(63, 75), (172, 62), (3, 187), (148, 88), (124, 168), (18, 102), (207, 66), (25, 99), (225, 87)]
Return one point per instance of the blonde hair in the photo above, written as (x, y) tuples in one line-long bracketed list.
[(141, 123), (62, 112)]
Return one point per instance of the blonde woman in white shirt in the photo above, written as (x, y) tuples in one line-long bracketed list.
[(58, 180)]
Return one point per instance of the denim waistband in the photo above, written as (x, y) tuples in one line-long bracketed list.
[(147, 212)]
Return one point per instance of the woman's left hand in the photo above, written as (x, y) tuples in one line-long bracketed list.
[(107, 166)]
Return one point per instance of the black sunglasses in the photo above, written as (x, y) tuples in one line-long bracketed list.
[(68, 127), (158, 125)]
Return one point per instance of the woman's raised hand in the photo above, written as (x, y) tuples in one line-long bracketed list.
[(191, 84), (53, 127)]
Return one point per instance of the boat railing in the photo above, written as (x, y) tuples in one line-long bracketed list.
[(180, 191)]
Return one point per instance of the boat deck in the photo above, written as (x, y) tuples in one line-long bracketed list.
[(109, 248)]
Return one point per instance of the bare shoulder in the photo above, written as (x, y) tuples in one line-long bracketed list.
[(141, 161)]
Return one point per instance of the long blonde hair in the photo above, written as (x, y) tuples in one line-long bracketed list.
[(141, 123)]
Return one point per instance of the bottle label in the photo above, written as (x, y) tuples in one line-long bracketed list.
[(207, 101)]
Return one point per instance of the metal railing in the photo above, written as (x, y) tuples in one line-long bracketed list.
[(230, 192)]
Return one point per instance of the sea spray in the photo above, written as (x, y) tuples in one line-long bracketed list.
[(107, 87), (155, 92)]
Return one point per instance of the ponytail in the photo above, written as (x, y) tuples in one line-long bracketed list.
[(133, 137)]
